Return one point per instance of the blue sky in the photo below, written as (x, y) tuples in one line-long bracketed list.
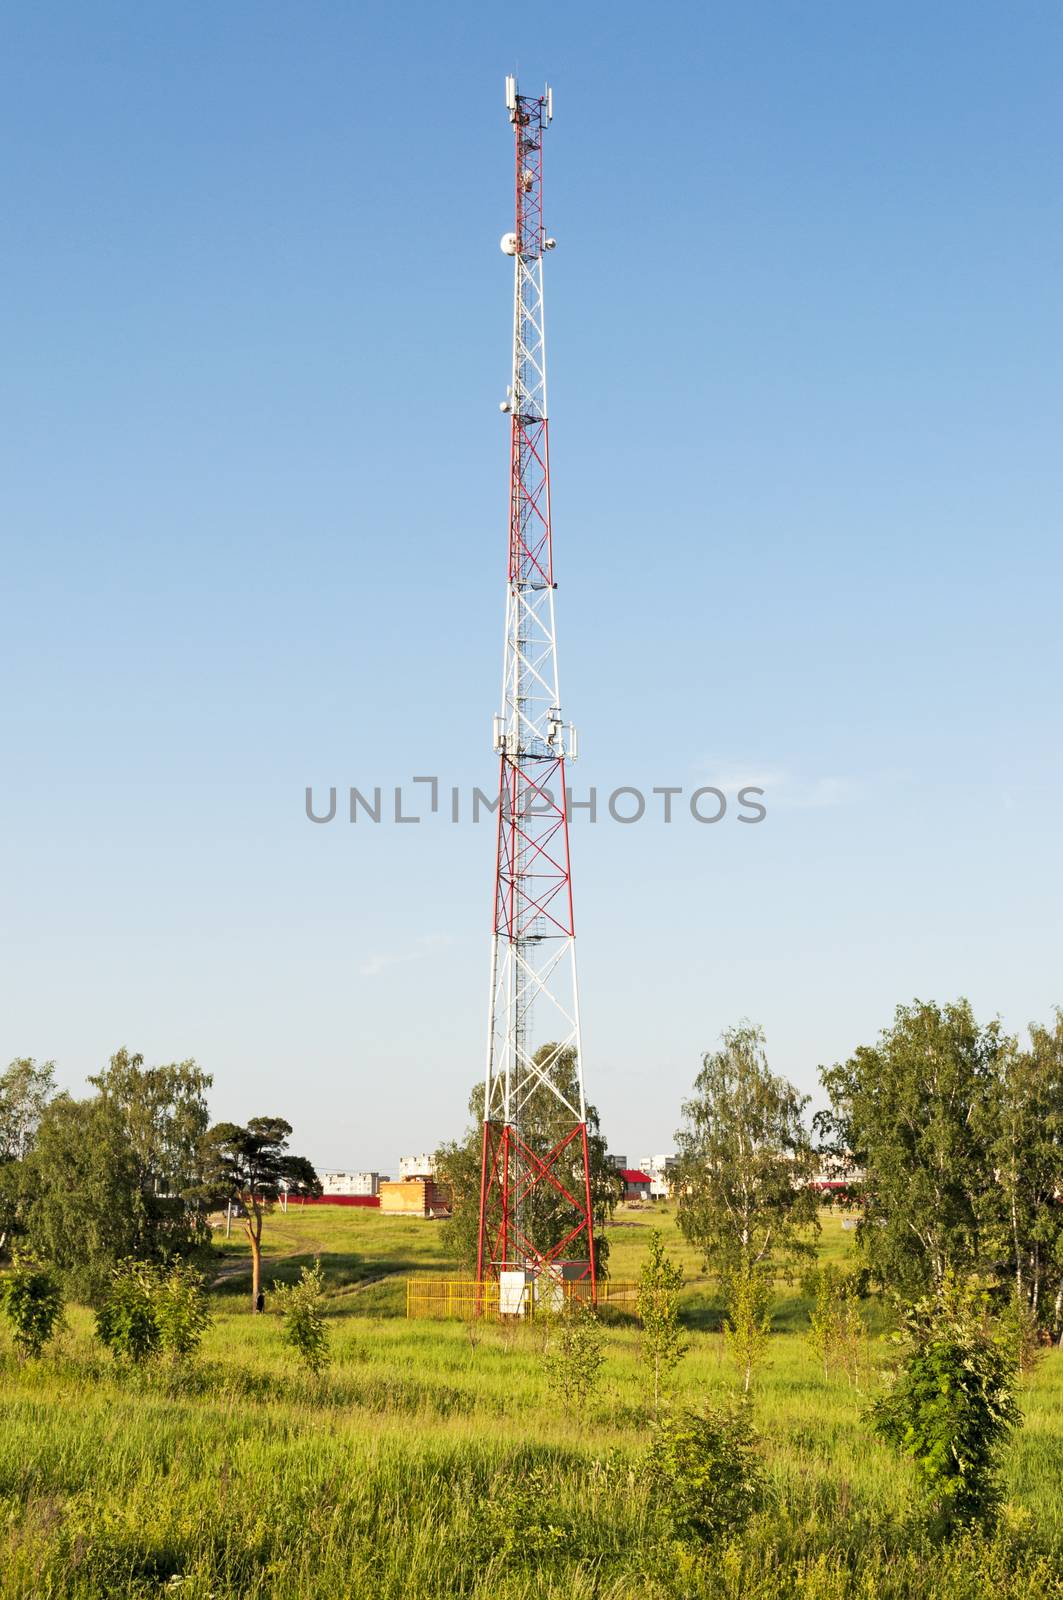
[(804, 328)]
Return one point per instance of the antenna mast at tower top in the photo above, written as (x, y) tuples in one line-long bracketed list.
[(535, 1202)]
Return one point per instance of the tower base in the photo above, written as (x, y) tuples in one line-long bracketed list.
[(528, 1195)]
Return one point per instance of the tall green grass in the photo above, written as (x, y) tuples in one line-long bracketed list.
[(429, 1460)]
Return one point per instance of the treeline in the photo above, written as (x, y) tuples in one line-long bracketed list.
[(132, 1172), (959, 1130), (87, 1183), (947, 1136), (947, 1133)]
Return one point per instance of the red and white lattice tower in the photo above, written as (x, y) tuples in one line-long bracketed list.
[(533, 993)]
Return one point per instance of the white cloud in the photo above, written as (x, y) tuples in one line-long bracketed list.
[(781, 787), (382, 961)]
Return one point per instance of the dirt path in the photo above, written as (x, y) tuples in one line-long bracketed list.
[(366, 1283), (234, 1269)]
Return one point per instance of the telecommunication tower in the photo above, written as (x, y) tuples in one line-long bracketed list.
[(534, 1054)]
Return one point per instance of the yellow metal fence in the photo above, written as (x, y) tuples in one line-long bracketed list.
[(468, 1300)]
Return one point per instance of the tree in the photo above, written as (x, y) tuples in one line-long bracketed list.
[(662, 1345), (165, 1114), (915, 1111), (748, 1322), (109, 1177), (25, 1090), (249, 1167), (835, 1327), (80, 1193), (547, 1217), (952, 1405), (1026, 1149), (745, 1162)]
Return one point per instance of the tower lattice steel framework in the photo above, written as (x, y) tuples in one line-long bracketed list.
[(533, 990)]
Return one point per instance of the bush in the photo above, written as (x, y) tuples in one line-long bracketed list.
[(951, 1406), (127, 1322), (520, 1520), (705, 1473), (574, 1354), (181, 1311), (1024, 1333), (302, 1306), (32, 1303), (150, 1311)]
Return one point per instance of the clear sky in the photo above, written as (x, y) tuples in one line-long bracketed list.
[(805, 325)]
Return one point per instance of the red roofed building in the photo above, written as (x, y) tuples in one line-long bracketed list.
[(636, 1183)]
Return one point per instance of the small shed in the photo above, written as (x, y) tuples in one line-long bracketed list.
[(414, 1197), (636, 1183)]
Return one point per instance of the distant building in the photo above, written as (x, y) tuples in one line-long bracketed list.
[(839, 1177), (422, 1166), (619, 1162), (415, 1197), (636, 1183), (350, 1182), (660, 1169)]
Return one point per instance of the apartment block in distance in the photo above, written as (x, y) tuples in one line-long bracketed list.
[(345, 1183)]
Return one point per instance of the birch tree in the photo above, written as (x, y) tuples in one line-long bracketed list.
[(745, 1163), (662, 1345), (1027, 1152)]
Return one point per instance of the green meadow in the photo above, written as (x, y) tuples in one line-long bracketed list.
[(429, 1461)]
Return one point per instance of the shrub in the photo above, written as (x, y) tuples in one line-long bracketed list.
[(574, 1354), (150, 1311), (1024, 1332), (32, 1303), (520, 1520), (951, 1406), (181, 1310), (127, 1322), (705, 1473), (302, 1307)]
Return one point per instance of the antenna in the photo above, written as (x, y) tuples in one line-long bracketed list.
[(536, 1216)]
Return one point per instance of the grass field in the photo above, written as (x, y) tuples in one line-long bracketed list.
[(426, 1461)]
